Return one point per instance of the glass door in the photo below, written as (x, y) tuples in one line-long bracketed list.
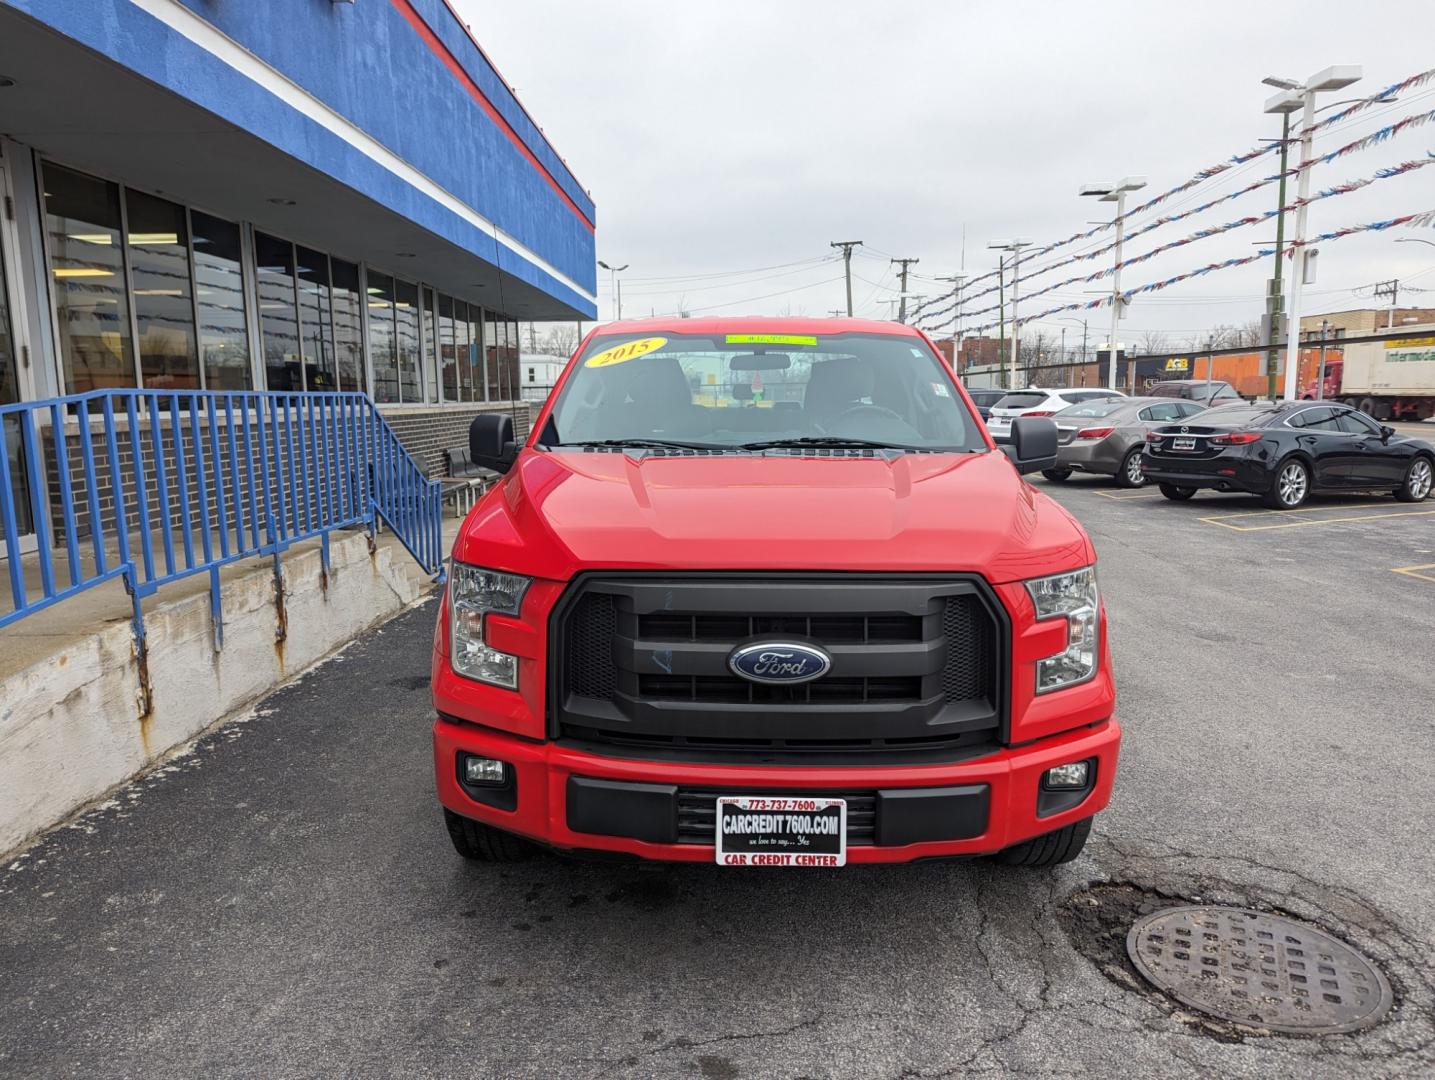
[(11, 378)]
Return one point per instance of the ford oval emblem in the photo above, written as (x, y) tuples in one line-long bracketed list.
[(779, 662)]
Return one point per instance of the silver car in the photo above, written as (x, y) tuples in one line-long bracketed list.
[(1107, 437)]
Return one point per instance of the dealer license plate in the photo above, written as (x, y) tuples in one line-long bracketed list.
[(772, 830), (1183, 444)]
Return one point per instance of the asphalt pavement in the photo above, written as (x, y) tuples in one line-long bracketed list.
[(284, 902)]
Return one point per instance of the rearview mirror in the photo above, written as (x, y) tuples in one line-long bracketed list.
[(760, 362), (490, 441), (1033, 444), (1386, 433)]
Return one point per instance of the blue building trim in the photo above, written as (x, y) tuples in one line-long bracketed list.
[(380, 80)]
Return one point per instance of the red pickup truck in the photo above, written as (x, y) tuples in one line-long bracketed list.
[(763, 592)]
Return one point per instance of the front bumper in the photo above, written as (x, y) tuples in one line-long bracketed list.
[(559, 795)]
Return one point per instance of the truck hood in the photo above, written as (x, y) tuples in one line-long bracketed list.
[(558, 513)]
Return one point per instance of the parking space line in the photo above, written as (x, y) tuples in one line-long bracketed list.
[(1122, 496), (1387, 504), (1323, 521), (1414, 571)]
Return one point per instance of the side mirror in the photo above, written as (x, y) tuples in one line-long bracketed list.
[(1386, 433), (490, 441), (1033, 444)]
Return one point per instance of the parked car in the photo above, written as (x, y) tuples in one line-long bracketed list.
[(984, 399), (1108, 436), (1039, 401), (1215, 392), (689, 627), (1284, 451)]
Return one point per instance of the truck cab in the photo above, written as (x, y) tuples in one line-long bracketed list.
[(763, 592)]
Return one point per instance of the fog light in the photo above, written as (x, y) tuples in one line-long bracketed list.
[(1065, 777), (484, 771)]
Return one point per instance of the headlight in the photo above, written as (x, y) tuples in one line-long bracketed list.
[(472, 594), (1072, 597)]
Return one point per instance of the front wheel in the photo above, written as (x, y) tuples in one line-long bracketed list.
[(1050, 850), (1057, 475), (480, 843), (1132, 473), (1176, 493), (1290, 487), (1418, 478)]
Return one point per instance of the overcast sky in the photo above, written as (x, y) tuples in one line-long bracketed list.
[(725, 137)]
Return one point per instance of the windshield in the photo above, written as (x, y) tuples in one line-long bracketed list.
[(1091, 409), (743, 390)]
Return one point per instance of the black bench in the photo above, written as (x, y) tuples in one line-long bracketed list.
[(465, 481)]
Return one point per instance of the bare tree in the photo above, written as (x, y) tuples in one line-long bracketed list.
[(561, 339), (1151, 343), (1249, 333)]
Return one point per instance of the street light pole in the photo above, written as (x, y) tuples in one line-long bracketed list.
[(617, 286), (1332, 78), (1014, 247), (1115, 192)]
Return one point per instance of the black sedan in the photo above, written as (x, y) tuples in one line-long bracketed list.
[(1285, 451)]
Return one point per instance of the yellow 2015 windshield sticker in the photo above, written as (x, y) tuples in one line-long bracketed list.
[(771, 339), (629, 350)]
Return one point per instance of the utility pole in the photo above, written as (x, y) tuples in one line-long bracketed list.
[(836, 313), (902, 307), (1392, 290), (1001, 314), (847, 246)]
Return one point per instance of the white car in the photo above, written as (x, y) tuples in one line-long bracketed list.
[(1039, 401)]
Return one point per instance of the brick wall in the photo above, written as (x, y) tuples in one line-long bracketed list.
[(429, 432)]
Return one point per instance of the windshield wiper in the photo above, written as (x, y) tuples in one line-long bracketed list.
[(648, 444), (834, 441)]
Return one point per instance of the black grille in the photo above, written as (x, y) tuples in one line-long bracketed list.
[(591, 671), (697, 813), (971, 655), (917, 665)]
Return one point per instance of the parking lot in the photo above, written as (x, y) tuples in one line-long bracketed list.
[(283, 901)]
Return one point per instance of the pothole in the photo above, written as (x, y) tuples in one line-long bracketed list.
[(1267, 971), (1171, 964)]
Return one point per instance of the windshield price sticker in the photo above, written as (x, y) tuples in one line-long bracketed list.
[(781, 831), (771, 339), (629, 350)]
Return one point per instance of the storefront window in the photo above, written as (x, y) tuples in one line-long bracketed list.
[(510, 363), (219, 298), (447, 355), (316, 341), (82, 223), (461, 345), (490, 352), (278, 318), (158, 240), (481, 390), (406, 336), (381, 337), (431, 365), (348, 324), (10, 425)]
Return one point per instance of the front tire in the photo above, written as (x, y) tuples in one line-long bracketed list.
[(1057, 475), (1176, 493), (1132, 473), (1050, 850), (1418, 481), (481, 843), (1291, 486)]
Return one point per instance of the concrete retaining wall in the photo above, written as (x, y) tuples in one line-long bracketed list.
[(73, 725)]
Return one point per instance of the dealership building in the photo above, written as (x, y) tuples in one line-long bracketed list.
[(299, 196)]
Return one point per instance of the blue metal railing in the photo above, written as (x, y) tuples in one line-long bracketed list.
[(152, 486)]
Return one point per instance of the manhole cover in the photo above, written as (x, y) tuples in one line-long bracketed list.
[(1258, 969)]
